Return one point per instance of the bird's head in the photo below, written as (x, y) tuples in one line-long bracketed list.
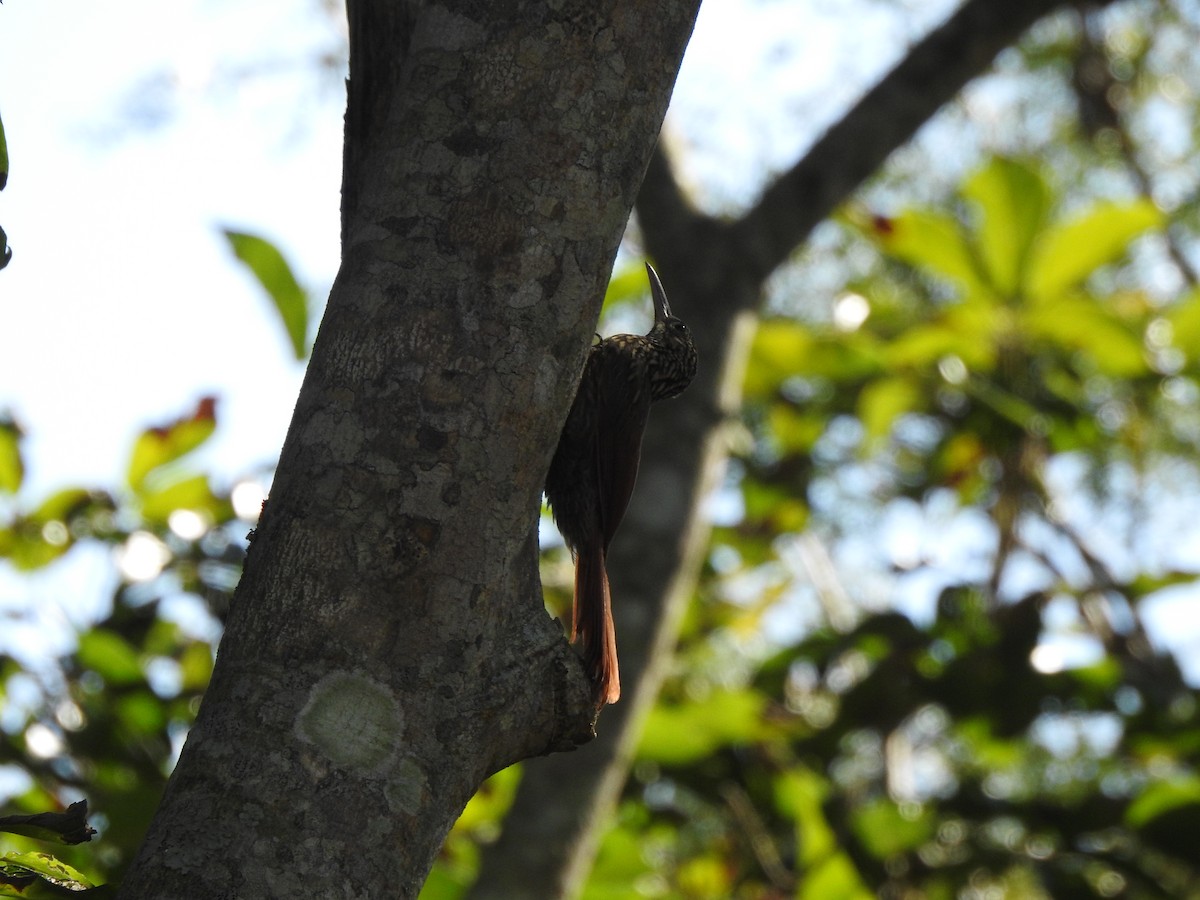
[(665, 324), (678, 365)]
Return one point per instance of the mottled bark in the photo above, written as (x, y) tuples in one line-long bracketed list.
[(388, 648), (713, 272)]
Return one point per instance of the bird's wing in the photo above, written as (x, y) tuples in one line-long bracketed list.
[(622, 413)]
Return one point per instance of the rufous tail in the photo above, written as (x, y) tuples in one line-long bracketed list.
[(592, 624)]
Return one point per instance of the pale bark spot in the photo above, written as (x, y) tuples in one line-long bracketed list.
[(355, 721)]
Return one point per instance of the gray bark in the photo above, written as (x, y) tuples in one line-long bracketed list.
[(713, 271), (388, 648)]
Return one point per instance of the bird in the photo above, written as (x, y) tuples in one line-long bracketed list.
[(595, 465)]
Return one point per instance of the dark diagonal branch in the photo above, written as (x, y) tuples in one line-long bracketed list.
[(934, 71)]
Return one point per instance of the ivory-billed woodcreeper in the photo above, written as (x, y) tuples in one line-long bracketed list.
[(595, 466)]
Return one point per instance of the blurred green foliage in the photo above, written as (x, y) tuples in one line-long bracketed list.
[(104, 720), (885, 755)]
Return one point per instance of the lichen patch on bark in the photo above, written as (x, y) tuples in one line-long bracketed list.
[(405, 787), (355, 721)]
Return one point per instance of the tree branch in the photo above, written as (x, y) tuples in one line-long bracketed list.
[(934, 71)]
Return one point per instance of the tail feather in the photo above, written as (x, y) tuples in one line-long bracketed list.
[(592, 624)]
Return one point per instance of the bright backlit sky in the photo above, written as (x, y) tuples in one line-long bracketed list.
[(121, 305), (132, 139)]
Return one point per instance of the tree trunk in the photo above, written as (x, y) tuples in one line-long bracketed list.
[(387, 648)]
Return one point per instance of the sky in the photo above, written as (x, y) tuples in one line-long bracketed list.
[(122, 305), (136, 133)]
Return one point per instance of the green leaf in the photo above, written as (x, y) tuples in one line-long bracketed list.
[(1185, 325), (268, 265), (156, 447), (43, 535), (704, 876), (442, 885), (12, 468), (843, 357), (969, 330), (794, 430), (883, 401), (141, 712), (61, 506), (1083, 325), (1014, 202), (1163, 797), (784, 348), (779, 347), (191, 492), (3, 159), (1069, 252), (1145, 583), (677, 735), (928, 240), (28, 552), (493, 799), (779, 507), (1003, 402), (1102, 677), (619, 862), (978, 733), (110, 656), (799, 795), (833, 878), (921, 346), (52, 877), (885, 831), (196, 665)]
